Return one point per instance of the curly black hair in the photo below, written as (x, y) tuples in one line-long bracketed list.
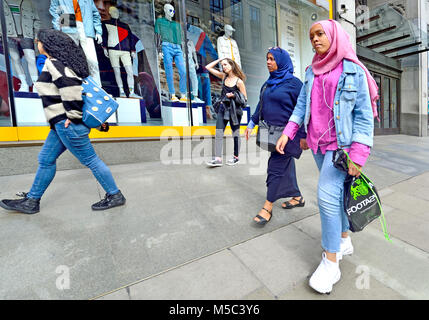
[(61, 47)]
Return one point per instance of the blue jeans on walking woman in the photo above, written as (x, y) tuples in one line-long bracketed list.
[(330, 192), (75, 139)]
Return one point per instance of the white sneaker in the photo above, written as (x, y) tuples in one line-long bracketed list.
[(197, 100), (346, 247), (233, 161), (214, 163), (326, 275)]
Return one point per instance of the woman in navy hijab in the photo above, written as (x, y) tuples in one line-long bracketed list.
[(279, 95)]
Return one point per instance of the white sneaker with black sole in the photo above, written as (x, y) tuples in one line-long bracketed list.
[(214, 163), (233, 161), (326, 275)]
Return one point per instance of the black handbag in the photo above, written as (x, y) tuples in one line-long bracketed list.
[(361, 201), (267, 135)]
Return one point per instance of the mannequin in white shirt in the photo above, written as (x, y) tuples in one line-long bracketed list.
[(227, 47)]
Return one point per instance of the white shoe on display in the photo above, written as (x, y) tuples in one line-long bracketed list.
[(346, 247), (326, 275), (174, 98), (133, 95), (24, 87), (197, 100)]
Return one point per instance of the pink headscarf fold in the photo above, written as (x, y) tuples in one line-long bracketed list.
[(340, 49)]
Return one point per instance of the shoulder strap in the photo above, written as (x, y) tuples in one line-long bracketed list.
[(261, 101)]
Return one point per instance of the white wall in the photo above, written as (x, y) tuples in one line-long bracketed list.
[(350, 16)]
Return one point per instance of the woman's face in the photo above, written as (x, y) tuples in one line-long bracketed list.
[(271, 63), (319, 39), (226, 67)]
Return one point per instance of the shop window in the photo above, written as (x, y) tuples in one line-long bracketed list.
[(141, 57), (193, 20), (294, 19), (233, 29), (255, 28)]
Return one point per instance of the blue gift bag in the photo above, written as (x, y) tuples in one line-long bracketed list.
[(98, 105)]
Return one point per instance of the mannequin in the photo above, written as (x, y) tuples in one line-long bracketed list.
[(22, 24), (204, 47), (82, 22), (227, 47), (193, 66), (118, 44), (169, 33)]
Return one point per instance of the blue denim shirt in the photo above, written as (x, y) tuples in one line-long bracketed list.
[(354, 120), (90, 16)]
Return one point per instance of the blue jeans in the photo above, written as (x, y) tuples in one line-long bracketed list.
[(204, 87), (193, 77), (330, 199), (174, 52), (75, 139)]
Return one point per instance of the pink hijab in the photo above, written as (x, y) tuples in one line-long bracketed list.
[(340, 49)]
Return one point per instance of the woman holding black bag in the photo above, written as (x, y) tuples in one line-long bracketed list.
[(277, 101), (336, 106)]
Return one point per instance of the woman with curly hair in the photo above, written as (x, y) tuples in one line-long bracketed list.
[(59, 86)]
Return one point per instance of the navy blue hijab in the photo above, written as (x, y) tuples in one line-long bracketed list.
[(284, 64)]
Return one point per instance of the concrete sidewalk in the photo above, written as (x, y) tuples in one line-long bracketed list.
[(186, 232)]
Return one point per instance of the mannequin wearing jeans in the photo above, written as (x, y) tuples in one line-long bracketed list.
[(22, 22), (170, 33), (193, 65)]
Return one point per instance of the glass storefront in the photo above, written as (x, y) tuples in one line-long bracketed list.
[(152, 54), (5, 109)]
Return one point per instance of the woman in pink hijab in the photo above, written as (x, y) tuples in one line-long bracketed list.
[(337, 106)]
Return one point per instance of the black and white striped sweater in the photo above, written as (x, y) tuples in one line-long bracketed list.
[(61, 92)]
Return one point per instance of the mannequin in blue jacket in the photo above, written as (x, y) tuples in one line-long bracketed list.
[(81, 20)]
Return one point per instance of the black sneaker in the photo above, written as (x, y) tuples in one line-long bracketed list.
[(109, 201), (26, 205)]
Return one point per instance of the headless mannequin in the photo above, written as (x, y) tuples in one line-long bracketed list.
[(80, 37), (23, 25), (30, 58), (114, 58)]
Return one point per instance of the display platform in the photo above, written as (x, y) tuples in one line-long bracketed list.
[(176, 114), (29, 110)]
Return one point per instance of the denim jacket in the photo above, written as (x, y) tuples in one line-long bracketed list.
[(90, 16), (354, 120)]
